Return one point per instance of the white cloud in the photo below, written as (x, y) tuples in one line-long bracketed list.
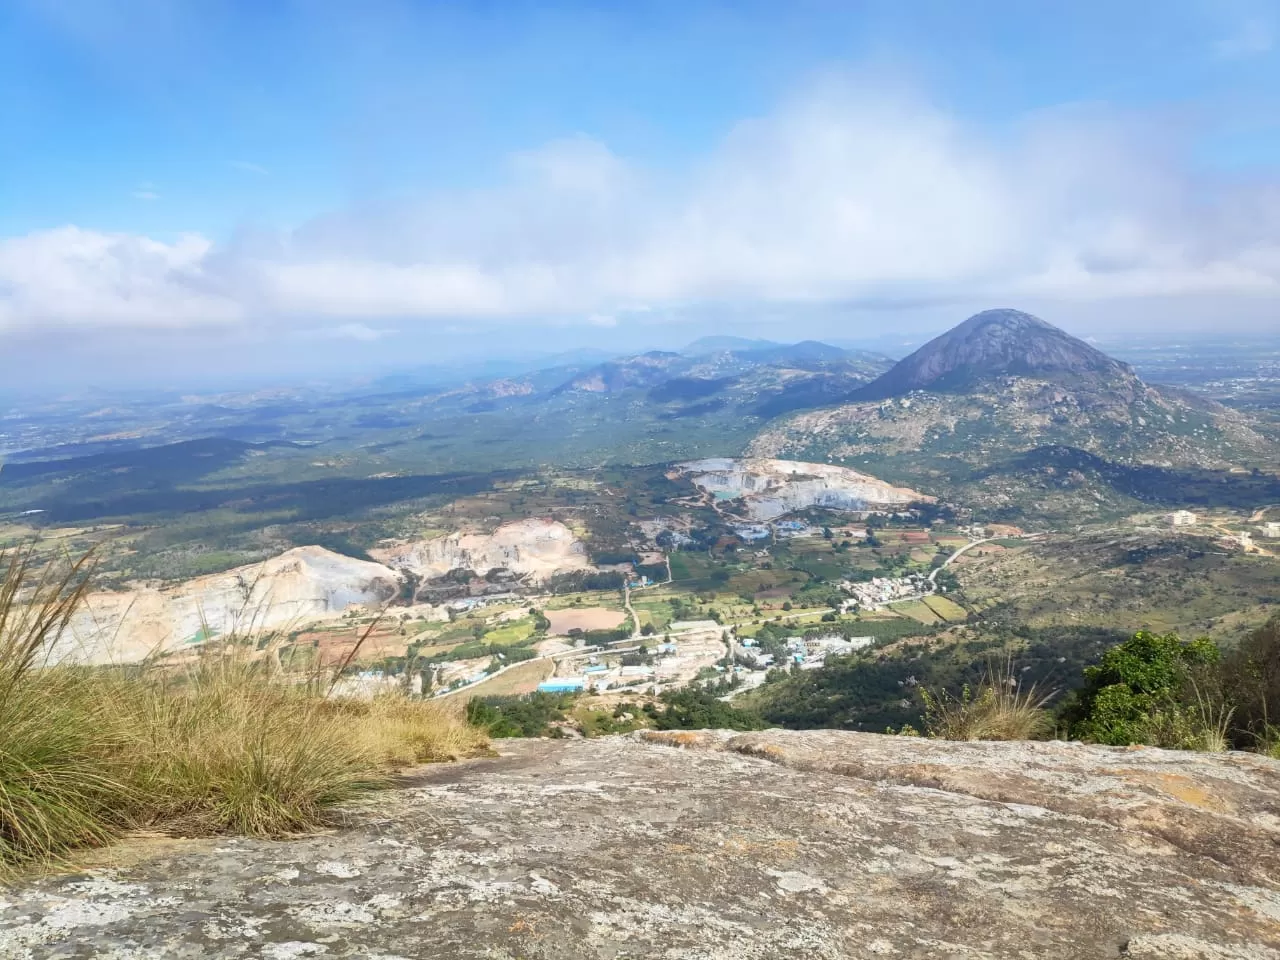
[(244, 166), (847, 193), (73, 276)]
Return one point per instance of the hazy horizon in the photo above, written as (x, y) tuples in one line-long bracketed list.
[(229, 193)]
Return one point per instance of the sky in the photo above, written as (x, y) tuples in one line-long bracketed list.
[(205, 189)]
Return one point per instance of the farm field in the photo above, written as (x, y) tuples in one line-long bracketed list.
[(584, 619), (945, 608), (521, 679), (917, 610)]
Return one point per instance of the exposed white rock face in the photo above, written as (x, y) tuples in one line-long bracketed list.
[(299, 586), (772, 488), (536, 548)]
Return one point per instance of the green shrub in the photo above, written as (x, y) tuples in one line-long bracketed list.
[(696, 709), (519, 716), (1155, 689), (1251, 675)]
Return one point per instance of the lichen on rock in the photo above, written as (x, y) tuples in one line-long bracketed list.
[(819, 844)]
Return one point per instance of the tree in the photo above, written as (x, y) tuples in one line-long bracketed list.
[(1137, 691), (699, 709), (1251, 673)]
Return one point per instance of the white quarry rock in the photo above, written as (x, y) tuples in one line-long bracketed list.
[(537, 548), (299, 586), (772, 488)]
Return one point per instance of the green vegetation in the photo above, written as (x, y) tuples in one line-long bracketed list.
[(696, 708), (880, 688), (524, 716), (1135, 694), (946, 609)]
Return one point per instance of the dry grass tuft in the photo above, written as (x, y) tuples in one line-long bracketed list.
[(999, 710), (224, 745)]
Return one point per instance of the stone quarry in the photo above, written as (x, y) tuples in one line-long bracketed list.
[(535, 548), (773, 488), (303, 585)]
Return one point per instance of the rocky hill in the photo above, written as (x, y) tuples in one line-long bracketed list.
[(1003, 343), (714, 846), (949, 418), (747, 379)]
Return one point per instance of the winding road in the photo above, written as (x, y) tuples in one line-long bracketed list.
[(933, 574)]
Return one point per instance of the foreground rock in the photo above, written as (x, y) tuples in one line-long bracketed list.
[(815, 845)]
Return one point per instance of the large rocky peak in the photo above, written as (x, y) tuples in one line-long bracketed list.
[(998, 343), (718, 846)]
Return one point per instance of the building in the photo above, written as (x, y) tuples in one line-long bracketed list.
[(1182, 518), (1271, 529), (836, 645), (563, 685)]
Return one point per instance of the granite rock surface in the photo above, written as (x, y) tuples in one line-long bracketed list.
[(717, 845)]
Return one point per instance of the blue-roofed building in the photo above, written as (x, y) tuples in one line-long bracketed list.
[(563, 685)]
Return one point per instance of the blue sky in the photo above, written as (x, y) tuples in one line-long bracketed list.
[(321, 177)]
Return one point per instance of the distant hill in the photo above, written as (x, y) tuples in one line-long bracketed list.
[(726, 344), (998, 343), (762, 381), (959, 415)]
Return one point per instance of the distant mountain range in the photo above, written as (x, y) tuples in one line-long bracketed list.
[(756, 377), (1005, 412)]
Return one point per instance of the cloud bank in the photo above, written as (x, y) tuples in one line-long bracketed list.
[(843, 194)]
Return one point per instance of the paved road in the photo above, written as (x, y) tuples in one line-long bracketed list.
[(933, 574)]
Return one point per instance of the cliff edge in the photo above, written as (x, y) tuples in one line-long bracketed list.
[(818, 844)]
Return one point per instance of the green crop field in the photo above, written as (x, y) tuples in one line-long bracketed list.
[(917, 610), (945, 608)]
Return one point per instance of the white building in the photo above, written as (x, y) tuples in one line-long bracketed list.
[(1182, 518), (1271, 529)]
